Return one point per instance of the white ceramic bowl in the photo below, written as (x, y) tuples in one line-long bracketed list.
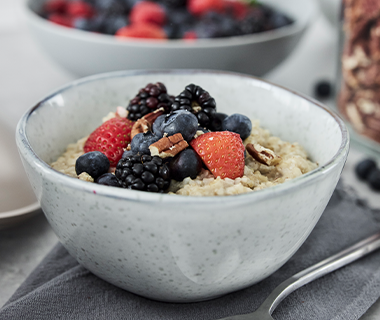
[(179, 248), (85, 53)]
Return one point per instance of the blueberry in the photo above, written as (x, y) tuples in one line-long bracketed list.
[(216, 121), (374, 179), (185, 164), (180, 121), (83, 24), (238, 123), (323, 89), (364, 168), (141, 142), (108, 179), (94, 163), (156, 128), (127, 153), (114, 23)]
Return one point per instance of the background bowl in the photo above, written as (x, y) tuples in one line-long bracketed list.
[(85, 53), (178, 248)]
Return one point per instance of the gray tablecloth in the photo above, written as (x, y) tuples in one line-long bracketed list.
[(59, 288)]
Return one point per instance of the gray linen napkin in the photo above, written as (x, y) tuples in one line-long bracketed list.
[(59, 288)]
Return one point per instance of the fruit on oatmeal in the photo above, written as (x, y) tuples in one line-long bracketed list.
[(144, 173), (222, 152), (141, 30), (141, 142), (148, 99), (108, 179), (179, 121), (216, 121), (239, 124), (110, 138), (94, 163), (147, 12), (198, 101), (185, 164)]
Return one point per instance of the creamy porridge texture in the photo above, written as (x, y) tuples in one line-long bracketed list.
[(182, 145)]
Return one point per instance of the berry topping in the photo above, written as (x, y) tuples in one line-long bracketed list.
[(108, 179), (80, 8), (55, 6), (150, 98), (216, 121), (198, 101), (141, 30), (180, 121), (143, 172), (199, 7), (185, 164), (147, 12), (94, 163), (60, 19), (222, 153), (141, 142), (238, 123), (110, 138), (364, 168)]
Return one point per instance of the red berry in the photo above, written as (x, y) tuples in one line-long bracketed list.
[(238, 8), (80, 9), (190, 35), (55, 6), (147, 12), (142, 30), (222, 152), (199, 7), (60, 19), (110, 138)]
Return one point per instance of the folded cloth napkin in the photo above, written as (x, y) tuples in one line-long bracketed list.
[(59, 288)]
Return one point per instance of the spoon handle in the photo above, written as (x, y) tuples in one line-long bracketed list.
[(320, 269)]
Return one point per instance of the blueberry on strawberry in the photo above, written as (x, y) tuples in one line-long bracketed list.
[(108, 179), (185, 164), (238, 123), (94, 163), (180, 121)]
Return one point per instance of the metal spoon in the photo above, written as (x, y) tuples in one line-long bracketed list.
[(316, 271)]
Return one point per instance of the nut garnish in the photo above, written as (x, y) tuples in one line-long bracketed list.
[(85, 177), (168, 146), (145, 123), (263, 155)]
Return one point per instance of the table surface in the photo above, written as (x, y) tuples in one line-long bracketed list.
[(27, 75)]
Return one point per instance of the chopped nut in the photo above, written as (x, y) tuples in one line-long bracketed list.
[(263, 155), (168, 146), (85, 177), (145, 123)]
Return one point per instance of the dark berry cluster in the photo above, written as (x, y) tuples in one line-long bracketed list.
[(150, 98), (368, 170), (144, 173), (198, 101)]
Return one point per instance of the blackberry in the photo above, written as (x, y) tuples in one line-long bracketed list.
[(198, 101), (144, 173), (150, 98)]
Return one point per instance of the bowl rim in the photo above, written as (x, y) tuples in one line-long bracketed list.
[(26, 150), (87, 36)]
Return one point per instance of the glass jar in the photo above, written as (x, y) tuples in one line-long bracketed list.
[(359, 95)]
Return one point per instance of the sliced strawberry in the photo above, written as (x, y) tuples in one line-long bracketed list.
[(61, 19), (147, 12), (55, 6), (80, 9), (222, 152), (142, 30), (110, 138), (200, 7), (238, 8)]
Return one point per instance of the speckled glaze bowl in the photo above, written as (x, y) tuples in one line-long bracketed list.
[(85, 53), (178, 248)]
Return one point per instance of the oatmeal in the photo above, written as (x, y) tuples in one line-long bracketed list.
[(183, 146)]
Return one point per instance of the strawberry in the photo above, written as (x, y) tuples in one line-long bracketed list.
[(147, 12), (222, 152), (61, 19), (142, 30), (55, 6), (80, 9), (190, 35), (238, 8), (200, 7), (110, 138)]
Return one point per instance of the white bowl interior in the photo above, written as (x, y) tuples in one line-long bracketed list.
[(75, 111)]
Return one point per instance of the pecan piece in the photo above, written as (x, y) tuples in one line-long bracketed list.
[(168, 146), (263, 155), (145, 123)]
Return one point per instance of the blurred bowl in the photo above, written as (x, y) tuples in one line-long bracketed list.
[(181, 248), (331, 10), (85, 53)]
